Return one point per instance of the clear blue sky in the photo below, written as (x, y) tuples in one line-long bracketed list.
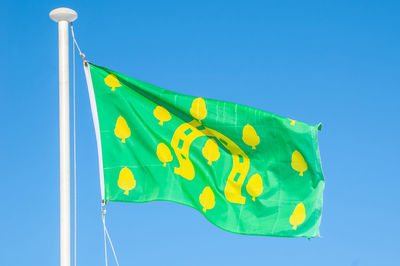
[(335, 62)]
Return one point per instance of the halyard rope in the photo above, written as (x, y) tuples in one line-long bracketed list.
[(108, 236), (76, 44), (103, 209), (74, 123)]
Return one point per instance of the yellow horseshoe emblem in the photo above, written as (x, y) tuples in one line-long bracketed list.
[(183, 137)]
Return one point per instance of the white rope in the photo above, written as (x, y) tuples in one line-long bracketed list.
[(103, 213), (77, 46), (105, 240), (109, 238), (74, 123)]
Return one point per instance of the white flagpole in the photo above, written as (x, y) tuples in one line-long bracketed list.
[(63, 16)]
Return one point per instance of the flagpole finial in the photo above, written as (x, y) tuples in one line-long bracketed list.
[(63, 14)]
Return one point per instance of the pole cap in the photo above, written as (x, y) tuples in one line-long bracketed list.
[(63, 14)]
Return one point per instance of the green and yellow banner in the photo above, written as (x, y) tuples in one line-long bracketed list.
[(246, 170)]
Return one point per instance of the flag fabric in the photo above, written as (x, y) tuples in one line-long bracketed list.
[(246, 170)]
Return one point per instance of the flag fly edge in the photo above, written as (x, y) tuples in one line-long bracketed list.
[(96, 126)]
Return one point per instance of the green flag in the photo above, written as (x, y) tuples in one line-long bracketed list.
[(246, 170)]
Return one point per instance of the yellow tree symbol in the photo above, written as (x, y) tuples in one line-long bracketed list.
[(250, 136), (122, 130), (211, 151), (164, 154), (292, 122), (255, 186), (112, 81), (207, 199), (198, 109), (298, 216), (162, 114), (126, 181), (298, 162)]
